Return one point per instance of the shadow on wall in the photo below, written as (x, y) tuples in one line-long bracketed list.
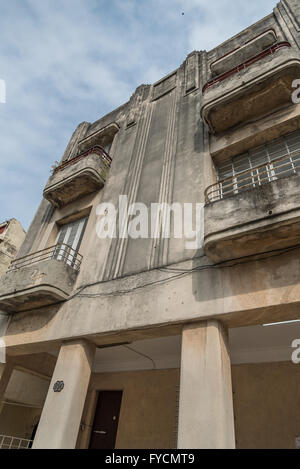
[(240, 277)]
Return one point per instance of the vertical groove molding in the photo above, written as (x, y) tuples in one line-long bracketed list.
[(119, 246), (160, 244)]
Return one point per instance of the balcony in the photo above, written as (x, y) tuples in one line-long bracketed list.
[(243, 53), (255, 211), (40, 279), (251, 90), (77, 177)]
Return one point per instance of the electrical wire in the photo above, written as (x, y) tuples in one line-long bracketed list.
[(181, 273), (178, 273), (142, 354)]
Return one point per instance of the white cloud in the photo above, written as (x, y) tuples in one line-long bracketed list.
[(65, 61)]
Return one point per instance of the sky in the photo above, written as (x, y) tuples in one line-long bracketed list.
[(68, 61)]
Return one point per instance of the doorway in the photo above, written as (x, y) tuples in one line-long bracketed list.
[(106, 419)]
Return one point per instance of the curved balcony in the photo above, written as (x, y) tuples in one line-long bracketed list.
[(241, 54), (253, 89), (77, 177), (255, 211), (39, 279)]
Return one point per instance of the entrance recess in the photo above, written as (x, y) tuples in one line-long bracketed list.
[(106, 420)]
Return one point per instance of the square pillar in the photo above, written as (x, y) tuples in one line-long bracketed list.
[(6, 370), (61, 416), (205, 405)]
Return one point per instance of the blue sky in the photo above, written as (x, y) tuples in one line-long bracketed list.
[(66, 61)]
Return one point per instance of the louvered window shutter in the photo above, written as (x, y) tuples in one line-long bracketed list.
[(69, 239), (263, 156)]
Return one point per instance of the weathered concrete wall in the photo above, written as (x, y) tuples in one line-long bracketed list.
[(254, 134), (264, 218), (25, 394), (266, 402), (26, 388), (18, 420), (151, 303), (36, 229), (287, 14), (265, 397), (24, 399), (10, 243), (157, 158), (37, 284), (161, 154), (148, 409)]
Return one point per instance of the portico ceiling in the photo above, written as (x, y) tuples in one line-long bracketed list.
[(253, 344)]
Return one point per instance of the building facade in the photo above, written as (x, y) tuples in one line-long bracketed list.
[(157, 341), (11, 237)]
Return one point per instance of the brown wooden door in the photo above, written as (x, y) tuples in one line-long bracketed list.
[(105, 425)]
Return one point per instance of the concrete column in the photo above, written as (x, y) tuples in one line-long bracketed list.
[(205, 404), (6, 370), (61, 416)]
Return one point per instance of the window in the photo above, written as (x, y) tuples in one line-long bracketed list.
[(68, 240), (277, 159)]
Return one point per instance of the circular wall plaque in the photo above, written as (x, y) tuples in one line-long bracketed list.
[(58, 386)]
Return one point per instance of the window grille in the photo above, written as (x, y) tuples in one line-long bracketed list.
[(13, 442), (277, 159), (70, 234)]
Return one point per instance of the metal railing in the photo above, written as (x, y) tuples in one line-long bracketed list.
[(284, 166), (13, 442), (243, 45), (60, 252), (95, 149), (248, 63)]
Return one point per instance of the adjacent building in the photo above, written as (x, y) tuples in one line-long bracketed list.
[(160, 341), (24, 397), (11, 237)]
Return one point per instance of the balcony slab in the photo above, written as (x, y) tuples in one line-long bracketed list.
[(76, 180), (39, 284), (251, 93), (262, 219)]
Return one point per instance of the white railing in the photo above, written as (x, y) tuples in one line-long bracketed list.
[(13, 442), (61, 252), (279, 168)]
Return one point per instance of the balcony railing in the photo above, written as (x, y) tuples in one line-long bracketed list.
[(284, 166), (60, 252), (248, 63), (96, 149), (13, 442)]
